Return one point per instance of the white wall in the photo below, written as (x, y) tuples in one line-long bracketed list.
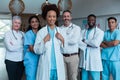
[(82, 8), (101, 8), (102, 20)]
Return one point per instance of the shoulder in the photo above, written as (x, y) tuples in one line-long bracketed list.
[(99, 30), (61, 27), (76, 26), (107, 31), (117, 32), (42, 30), (28, 32), (8, 33)]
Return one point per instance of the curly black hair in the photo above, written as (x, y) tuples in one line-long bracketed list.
[(49, 7)]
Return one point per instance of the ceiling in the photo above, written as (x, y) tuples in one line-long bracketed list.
[(31, 6)]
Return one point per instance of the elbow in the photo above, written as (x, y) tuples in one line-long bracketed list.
[(38, 50), (9, 49), (115, 44)]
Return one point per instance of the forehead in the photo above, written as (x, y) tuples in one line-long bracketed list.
[(51, 12), (111, 20), (91, 17), (16, 20), (33, 19), (66, 13)]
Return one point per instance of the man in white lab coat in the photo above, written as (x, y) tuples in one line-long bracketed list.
[(90, 59), (71, 34)]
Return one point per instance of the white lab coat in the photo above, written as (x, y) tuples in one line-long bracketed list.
[(93, 59), (43, 72)]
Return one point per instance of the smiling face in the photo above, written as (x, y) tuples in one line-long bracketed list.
[(91, 21), (112, 24), (51, 17), (34, 23), (16, 24), (67, 18)]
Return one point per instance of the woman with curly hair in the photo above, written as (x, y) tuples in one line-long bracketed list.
[(48, 44)]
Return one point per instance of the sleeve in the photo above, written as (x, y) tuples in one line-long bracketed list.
[(75, 37), (10, 45), (60, 31), (97, 39), (39, 46), (117, 37), (82, 45)]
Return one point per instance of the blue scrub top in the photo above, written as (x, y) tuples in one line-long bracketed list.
[(29, 57), (111, 53), (53, 59)]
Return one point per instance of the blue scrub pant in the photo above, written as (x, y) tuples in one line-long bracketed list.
[(94, 75), (53, 74), (111, 67), (31, 64), (30, 71)]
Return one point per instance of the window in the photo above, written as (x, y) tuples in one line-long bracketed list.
[(5, 25)]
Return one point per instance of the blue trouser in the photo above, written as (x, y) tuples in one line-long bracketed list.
[(111, 67), (31, 64), (30, 72), (94, 75), (53, 74)]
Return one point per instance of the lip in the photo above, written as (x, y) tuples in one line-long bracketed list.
[(16, 26)]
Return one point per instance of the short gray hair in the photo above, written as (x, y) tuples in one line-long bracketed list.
[(16, 18)]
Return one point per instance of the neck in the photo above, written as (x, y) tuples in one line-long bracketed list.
[(111, 30), (35, 30), (15, 30), (66, 25), (52, 26), (90, 27)]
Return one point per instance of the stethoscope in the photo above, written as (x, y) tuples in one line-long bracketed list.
[(69, 29), (85, 33), (15, 36), (49, 31)]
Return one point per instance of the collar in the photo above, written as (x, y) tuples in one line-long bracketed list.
[(15, 31), (69, 25)]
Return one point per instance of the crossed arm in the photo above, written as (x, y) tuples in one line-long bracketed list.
[(106, 44)]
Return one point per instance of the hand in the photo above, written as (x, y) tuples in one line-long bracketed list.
[(47, 38), (11, 43), (60, 37), (83, 40)]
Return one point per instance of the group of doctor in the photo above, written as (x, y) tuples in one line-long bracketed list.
[(51, 53)]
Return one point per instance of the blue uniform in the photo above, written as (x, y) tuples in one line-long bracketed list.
[(30, 58), (111, 56), (53, 72)]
